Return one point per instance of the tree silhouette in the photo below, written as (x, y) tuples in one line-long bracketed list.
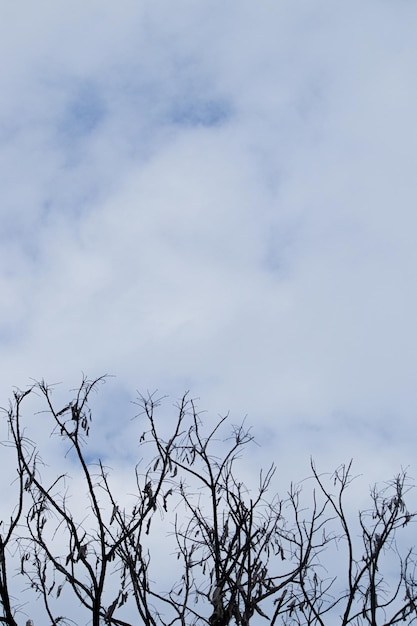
[(233, 553)]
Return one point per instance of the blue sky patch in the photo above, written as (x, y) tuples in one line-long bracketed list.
[(201, 112), (84, 113)]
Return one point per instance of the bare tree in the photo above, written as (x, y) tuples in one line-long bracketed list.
[(8, 527), (238, 553), (82, 550), (364, 561), (237, 538)]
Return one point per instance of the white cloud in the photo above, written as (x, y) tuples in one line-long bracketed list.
[(218, 197)]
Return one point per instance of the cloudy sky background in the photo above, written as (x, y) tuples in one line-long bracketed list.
[(217, 197)]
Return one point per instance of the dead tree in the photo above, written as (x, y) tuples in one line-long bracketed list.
[(246, 554), (239, 553), (365, 577), (238, 548), (9, 527), (83, 550)]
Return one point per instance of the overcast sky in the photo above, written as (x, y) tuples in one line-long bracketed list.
[(221, 197)]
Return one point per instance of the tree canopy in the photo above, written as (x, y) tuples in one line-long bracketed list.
[(191, 541)]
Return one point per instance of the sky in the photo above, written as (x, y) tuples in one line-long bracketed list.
[(217, 197)]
